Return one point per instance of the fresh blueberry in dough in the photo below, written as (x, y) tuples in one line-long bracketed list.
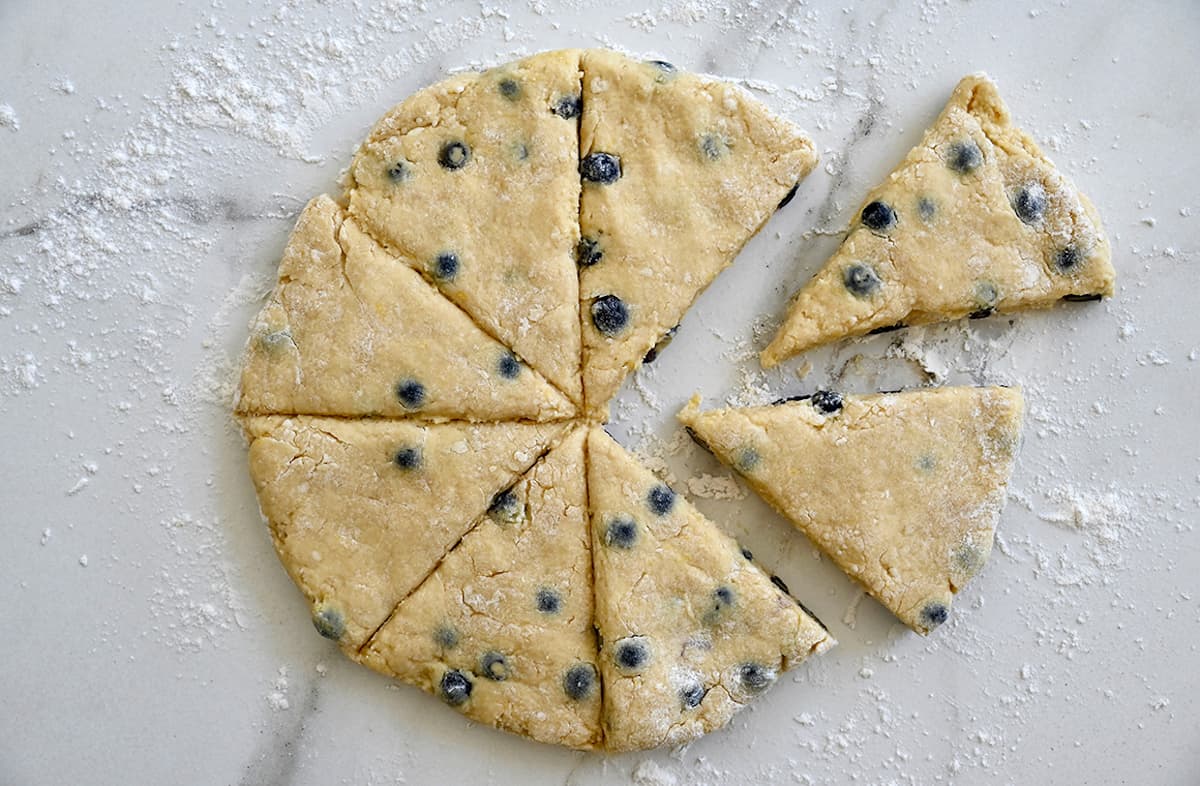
[(878, 216), (508, 366), (610, 315), (445, 637), (631, 654), (754, 677), (926, 208), (1068, 259), (827, 401), (398, 172), (408, 458), (454, 155), (580, 681), (410, 393), (588, 252), (621, 532), (746, 459), (510, 89), (964, 157), (445, 266), (691, 695), (660, 500), (329, 623), (934, 614), (456, 688), (719, 605), (548, 601), (713, 146), (568, 107), (1029, 203), (505, 508), (602, 168), (861, 280), (494, 666)]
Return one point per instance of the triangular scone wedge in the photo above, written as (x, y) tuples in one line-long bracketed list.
[(679, 171), (691, 630), (901, 490), (502, 630), (351, 331), (362, 510), (475, 180), (975, 220)]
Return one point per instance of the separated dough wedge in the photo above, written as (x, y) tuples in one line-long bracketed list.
[(902, 490), (475, 181), (678, 173), (350, 330), (502, 630), (362, 510), (691, 629), (975, 220)]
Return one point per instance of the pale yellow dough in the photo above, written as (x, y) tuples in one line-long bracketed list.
[(352, 331), (509, 212), (957, 246), (509, 612), (358, 529), (712, 629), (902, 490), (703, 166)]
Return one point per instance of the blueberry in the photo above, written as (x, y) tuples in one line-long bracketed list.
[(505, 508), (329, 623), (719, 604), (926, 462), (746, 459), (603, 168), (445, 266), (662, 65), (660, 500), (277, 339), (508, 366), (631, 654), (610, 315), (713, 146), (827, 401), (778, 582), (568, 107), (754, 677), (964, 157), (970, 560), (885, 329), (691, 695), (1029, 203), (748, 554), (456, 688), (861, 280), (409, 458), (445, 637), (588, 252), (878, 216), (1067, 259), (494, 666), (986, 296), (454, 155), (934, 614), (788, 197), (520, 150), (621, 532), (548, 601), (398, 172), (1083, 298), (510, 89), (662, 344), (926, 208), (410, 393), (579, 681)]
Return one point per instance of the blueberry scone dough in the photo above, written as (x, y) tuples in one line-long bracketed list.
[(901, 490), (678, 173), (474, 181), (502, 630), (362, 510), (691, 630), (975, 220), (351, 331)]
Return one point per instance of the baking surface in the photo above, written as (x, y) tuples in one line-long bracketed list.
[(154, 158)]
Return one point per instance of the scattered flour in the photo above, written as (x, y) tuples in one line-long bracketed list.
[(9, 119)]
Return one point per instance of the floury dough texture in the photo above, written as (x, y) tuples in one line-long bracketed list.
[(901, 490), (421, 392), (974, 221)]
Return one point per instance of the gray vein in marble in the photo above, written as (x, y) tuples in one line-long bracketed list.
[(276, 760)]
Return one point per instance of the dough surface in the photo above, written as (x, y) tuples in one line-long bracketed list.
[(702, 166), (901, 490), (974, 221), (352, 331), (475, 181), (691, 628)]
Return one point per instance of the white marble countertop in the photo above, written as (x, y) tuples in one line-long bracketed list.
[(153, 157)]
